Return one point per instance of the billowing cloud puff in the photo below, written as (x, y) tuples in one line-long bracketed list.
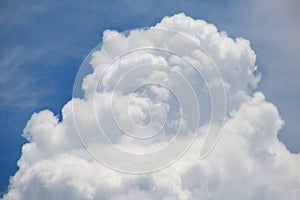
[(139, 115)]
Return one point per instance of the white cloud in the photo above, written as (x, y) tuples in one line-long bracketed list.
[(248, 162)]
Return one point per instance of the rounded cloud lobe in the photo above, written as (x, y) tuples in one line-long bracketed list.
[(248, 162)]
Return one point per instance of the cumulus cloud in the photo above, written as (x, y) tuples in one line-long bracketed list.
[(139, 114)]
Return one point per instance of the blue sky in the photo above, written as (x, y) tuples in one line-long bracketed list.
[(43, 44)]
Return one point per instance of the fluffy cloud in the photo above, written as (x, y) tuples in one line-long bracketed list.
[(139, 114)]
